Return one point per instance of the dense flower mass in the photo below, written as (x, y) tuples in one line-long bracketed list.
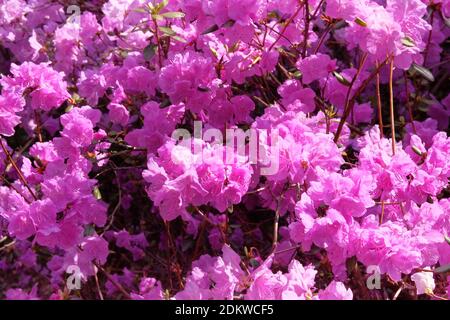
[(229, 149)]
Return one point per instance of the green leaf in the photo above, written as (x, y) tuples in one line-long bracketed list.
[(214, 52), (360, 22), (149, 51), (408, 42), (424, 72), (254, 263), (213, 28), (342, 80), (76, 97), (167, 30), (417, 151), (173, 15), (442, 269)]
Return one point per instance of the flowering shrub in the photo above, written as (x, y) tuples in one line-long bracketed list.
[(319, 171)]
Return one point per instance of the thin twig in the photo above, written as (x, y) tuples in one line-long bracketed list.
[(14, 188), (398, 293), (38, 125), (119, 201), (100, 294), (436, 296), (21, 177), (158, 42), (8, 245), (288, 249), (427, 47), (382, 212), (347, 107), (113, 281)]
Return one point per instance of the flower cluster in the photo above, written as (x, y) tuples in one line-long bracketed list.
[(320, 170)]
